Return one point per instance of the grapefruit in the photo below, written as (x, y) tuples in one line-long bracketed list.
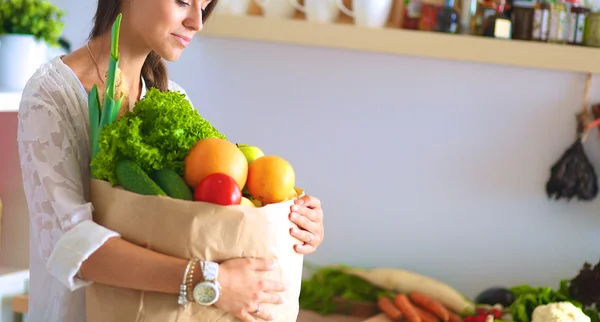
[(270, 179), (214, 155)]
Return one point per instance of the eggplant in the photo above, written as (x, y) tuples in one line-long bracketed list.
[(496, 295)]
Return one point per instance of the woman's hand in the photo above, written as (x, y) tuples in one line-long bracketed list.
[(308, 215), (244, 289)]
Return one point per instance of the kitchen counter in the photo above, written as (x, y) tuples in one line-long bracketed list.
[(20, 306), (309, 316)]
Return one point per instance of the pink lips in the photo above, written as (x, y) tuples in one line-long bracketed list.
[(183, 40)]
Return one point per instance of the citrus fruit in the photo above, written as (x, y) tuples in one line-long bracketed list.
[(214, 155), (270, 179)]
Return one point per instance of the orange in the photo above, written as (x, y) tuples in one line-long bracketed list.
[(270, 179), (214, 155)]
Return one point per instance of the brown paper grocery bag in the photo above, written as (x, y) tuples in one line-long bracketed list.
[(189, 229)]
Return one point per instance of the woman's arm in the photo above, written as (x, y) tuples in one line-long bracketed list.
[(68, 241), (122, 264)]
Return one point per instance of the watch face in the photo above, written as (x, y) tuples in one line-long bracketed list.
[(206, 293)]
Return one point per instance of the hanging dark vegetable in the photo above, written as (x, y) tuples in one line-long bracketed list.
[(573, 176)]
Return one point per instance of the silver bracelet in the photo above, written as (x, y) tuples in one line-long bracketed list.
[(183, 298)]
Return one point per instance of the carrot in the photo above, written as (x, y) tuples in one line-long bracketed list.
[(386, 306), (407, 308), (425, 315), (404, 281), (454, 318), (430, 305)]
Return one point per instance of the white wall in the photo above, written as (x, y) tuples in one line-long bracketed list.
[(391, 143)]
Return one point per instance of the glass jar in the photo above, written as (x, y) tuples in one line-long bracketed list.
[(522, 18), (430, 11), (541, 21), (591, 34), (577, 24)]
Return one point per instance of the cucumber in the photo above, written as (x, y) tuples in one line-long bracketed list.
[(133, 178), (172, 184)]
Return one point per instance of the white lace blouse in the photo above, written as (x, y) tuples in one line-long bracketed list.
[(54, 150)]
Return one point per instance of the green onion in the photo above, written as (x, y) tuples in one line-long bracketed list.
[(106, 114)]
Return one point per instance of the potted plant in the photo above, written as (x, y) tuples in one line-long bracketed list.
[(27, 28)]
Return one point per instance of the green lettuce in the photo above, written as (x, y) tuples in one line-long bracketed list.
[(157, 134)]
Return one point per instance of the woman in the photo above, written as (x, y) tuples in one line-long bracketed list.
[(69, 250)]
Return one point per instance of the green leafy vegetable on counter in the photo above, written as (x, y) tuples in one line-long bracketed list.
[(157, 134), (327, 282), (527, 298)]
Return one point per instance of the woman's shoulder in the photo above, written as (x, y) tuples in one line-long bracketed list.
[(177, 88), (53, 73), (173, 86), (52, 86)]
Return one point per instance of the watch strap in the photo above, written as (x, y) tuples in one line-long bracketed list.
[(210, 271)]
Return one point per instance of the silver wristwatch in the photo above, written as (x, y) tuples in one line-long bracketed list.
[(207, 292)]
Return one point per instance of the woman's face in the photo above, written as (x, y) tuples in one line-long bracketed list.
[(167, 26)]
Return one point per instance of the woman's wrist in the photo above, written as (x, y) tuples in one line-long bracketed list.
[(191, 277), (195, 279)]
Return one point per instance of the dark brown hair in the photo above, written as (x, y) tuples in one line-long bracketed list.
[(154, 70)]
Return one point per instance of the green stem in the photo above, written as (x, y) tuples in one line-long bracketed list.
[(106, 114), (114, 58), (112, 109)]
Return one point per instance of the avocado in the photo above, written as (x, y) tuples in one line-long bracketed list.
[(133, 178), (496, 295), (172, 184)]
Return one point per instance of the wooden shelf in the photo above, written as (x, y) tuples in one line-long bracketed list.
[(9, 101), (345, 35)]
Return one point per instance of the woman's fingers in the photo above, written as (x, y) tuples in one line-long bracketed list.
[(263, 312), (270, 298), (246, 317), (243, 314), (309, 201), (302, 221), (265, 315), (261, 264), (304, 249), (271, 286), (311, 214), (303, 235)]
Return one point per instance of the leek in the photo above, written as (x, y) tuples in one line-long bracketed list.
[(105, 114)]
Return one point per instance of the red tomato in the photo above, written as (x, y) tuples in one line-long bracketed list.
[(220, 189)]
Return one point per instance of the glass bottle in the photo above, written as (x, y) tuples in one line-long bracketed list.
[(484, 10), (498, 25), (522, 19), (541, 21), (448, 18), (558, 22)]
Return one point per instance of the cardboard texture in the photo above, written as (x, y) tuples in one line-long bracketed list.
[(188, 229)]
